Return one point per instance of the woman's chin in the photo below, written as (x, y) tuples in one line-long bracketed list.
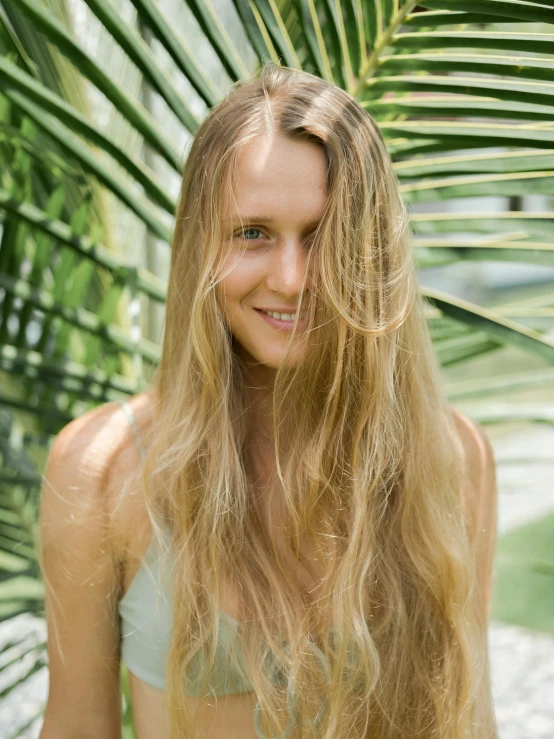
[(271, 359)]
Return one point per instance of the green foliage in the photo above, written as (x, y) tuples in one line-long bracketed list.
[(128, 727), (523, 591)]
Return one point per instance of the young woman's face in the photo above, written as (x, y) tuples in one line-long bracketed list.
[(280, 198)]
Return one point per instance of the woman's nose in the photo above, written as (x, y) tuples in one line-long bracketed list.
[(287, 267)]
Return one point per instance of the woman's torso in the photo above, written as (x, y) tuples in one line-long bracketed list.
[(224, 717)]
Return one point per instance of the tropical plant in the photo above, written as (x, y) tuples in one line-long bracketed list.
[(463, 92)]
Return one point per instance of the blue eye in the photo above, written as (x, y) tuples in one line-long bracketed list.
[(245, 230)]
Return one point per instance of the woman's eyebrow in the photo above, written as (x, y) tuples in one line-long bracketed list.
[(260, 219)]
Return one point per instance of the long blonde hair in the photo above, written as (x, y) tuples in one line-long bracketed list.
[(371, 471)]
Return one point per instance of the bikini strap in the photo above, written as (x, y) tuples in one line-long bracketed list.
[(134, 426)]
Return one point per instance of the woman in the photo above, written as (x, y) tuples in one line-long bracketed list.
[(307, 549)]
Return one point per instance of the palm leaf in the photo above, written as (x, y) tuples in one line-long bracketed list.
[(523, 591)]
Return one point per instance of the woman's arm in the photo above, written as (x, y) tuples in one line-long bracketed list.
[(480, 500), (82, 583)]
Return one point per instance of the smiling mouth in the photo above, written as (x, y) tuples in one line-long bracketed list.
[(278, 316), (285, 326)]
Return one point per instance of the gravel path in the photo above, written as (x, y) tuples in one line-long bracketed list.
[(522, 661)]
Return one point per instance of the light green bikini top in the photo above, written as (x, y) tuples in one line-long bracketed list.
[(145, 624), (145, 612)]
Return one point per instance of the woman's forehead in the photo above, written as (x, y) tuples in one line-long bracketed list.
[(277, 179)]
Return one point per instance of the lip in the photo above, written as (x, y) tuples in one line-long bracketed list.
[(277, 323)]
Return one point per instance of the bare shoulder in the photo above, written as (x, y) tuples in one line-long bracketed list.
[(74, 505), (83, 451), (93, 456), (479, 453), (480, 466), (85, 443), (480, 495), (81, 568)]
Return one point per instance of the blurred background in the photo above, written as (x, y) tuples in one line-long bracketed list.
[(99, 101)]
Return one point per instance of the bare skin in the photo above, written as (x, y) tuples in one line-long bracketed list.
[(84, 691), (98, 515)]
